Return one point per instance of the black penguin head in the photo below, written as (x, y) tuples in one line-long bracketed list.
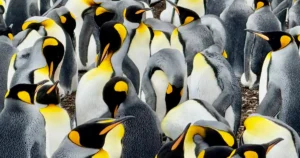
[(173, 96), (297, 40), (215, 151), (68, 21), (254, 150), (115, 92), (93, 133), (112, 37), (23, 92), (47, 94), (2, 4), (38, 22), (174, 149), (276, 39), (53, 51), (261, 3), (186, 15), (103, 15), (213, 133), (7, 31), (134, 13)]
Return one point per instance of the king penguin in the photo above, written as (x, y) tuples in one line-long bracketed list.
[(163, 87), (216, 152), (114, 45), (18, 11), (140, 38), (256, 49), (282, 86), (262, 129), (24, 134), (57, 119), (99, 137), (7, 52), (235, 18), (294, 12), (295, 32), (211, 79), (255, 150), (142, 137), (187, 112)]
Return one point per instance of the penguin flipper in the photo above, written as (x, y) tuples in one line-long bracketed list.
[(282, 17), (132, 72), (249, 44), (271, 104), (282, 6), (84, 38), (148, 89), (223, 101)]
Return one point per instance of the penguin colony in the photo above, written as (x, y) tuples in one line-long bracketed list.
[(166, 87)]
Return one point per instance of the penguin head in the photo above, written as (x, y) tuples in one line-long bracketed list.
[(134, 14), (103, 15), (186, 15), (254, 150), (115, 92), (53, 51), (23, 92), (213, 133), (112, 37), (68, 20), (39, 23), (216, 151), (7, 31), (46, 95), (93, 133), (261, 3), (276, 39), (173, 96), (91, 2), (174, 148), (297, 39)]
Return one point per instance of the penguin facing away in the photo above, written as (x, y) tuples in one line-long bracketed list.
[(57, 119), (142, 137), (256, 49), (99, 137), (24, 134), (114, 45)]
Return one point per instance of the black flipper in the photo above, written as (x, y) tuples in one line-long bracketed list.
[(132, 72)]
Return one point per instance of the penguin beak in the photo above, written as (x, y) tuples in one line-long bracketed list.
[(105, 52), (174, 5), (142, 10), (271, 144), (52, 87), (40, 84), (114, 124), (180, 139), (258, 34)]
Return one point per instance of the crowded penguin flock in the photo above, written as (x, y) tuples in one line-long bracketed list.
[(145, 86)]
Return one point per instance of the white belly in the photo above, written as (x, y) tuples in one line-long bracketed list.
[(159, 42), (263, 82), (30, 40), (251, 81), (195, 5), (89, 100), (230, 117), (188, 112), (160, 83)]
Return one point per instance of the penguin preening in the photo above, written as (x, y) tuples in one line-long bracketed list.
[(100, 137), (256, 49), (282, 85), (187, 112), (114, 45), (262, 129), (235, 18), (24, 134), (57, 119), (163, 87), (142, 137), (255, 150)]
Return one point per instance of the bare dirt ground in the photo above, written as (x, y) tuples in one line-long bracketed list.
[(249, 97)]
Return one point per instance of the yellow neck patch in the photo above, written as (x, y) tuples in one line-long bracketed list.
[(24, 96), (142, 28), (101, 154), (122, 31), (260, 5), (106, 63), (250, 154), (50, 42), (100, 10), (284, 41)]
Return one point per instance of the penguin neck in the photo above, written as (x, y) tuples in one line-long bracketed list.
[(289, 53), (18, 106), (175, 41), (51, 108), (76, 7), (130, 25), (189, 144), (106, 64)]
